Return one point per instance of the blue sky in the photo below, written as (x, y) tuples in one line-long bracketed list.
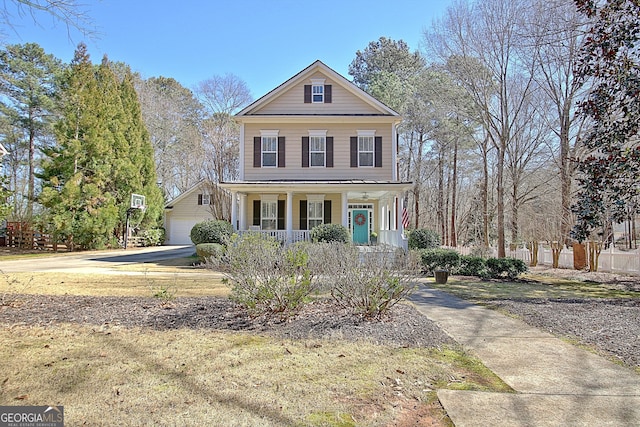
[(262, 42)]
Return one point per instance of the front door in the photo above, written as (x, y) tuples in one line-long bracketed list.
[(360, 226)]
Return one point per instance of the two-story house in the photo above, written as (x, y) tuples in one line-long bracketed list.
[(318, 149)]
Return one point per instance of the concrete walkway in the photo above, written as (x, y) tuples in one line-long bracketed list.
[(557, 384)]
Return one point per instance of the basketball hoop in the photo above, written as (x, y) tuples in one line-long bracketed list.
[(138, 201)]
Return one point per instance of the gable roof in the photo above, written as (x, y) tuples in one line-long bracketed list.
[(3, 151), (304, 74)]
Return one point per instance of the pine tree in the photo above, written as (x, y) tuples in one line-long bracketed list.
[(28, 85), (101, 158)]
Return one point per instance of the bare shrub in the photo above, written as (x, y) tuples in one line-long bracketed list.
[(264, 275), (370, 282)]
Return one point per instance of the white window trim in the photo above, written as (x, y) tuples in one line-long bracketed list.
[(367, 134), (317, 83), (268, 198), (206, 199), (321, 134), (272, 133)]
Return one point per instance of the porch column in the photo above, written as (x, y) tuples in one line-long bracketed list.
[(289, 217), (345, 209), (243, 211), (234, 210)]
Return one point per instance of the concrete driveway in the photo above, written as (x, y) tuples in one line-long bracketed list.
[(95, 261)]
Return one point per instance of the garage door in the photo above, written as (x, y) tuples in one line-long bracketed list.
[(180, 230)]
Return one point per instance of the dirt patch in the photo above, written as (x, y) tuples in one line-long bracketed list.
[(403, 327)]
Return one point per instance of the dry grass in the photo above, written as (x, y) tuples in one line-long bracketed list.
[(197, 377), (133, 376), (146, 283)]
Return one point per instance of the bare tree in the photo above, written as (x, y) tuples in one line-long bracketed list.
[(173, 117), (68, 12), (556, 30), (221, 97), (488, 32)]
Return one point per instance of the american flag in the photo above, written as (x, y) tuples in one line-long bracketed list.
[(405, 218)]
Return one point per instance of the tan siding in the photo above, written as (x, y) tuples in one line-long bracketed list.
[(292, 101), (188, 207), (341, 134)]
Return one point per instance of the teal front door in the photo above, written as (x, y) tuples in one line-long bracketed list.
[(360, 220)]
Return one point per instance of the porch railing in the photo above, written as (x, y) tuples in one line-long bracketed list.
[(281, 235)]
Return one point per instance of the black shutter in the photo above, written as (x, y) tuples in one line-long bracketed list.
[(199, 199), (354, 151), (281, 151), (327, 94), (329, 151), (281, 213), (305, 151), (327, 211), (256, 212), (378, 152), (257, 151), (307, 94), (303, 214)]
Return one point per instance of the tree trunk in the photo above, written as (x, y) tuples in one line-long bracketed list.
[(453, 241), (485, 194), (440, 207), (500, 201)]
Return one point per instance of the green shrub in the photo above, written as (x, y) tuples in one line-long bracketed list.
[(325, 233), (505, 268), (437, 259), (422, 238), (208, 250), (472, 266), (153, 237), (265, 276), (211, 231)]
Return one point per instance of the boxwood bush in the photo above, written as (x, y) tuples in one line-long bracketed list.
[(435, 259), (422, 238), (211, 231), (326, 233), (505, 268), (472, 266)]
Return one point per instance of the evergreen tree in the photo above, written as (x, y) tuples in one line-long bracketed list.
[(102, 156), (609, 59), (28, 85)]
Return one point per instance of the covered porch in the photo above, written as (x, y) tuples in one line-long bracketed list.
[(288, 210)]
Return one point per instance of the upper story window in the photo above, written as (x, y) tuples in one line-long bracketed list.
[(365, 150), (269, 151), (204, 199), (317, 150)]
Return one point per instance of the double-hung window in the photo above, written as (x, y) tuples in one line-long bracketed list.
[(269, 215), (269, 151), (206, 199), (317, 150), (316, 213), (365, 150), (317, 93)]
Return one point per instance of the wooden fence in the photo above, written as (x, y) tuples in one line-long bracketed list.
[(19, 235)]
